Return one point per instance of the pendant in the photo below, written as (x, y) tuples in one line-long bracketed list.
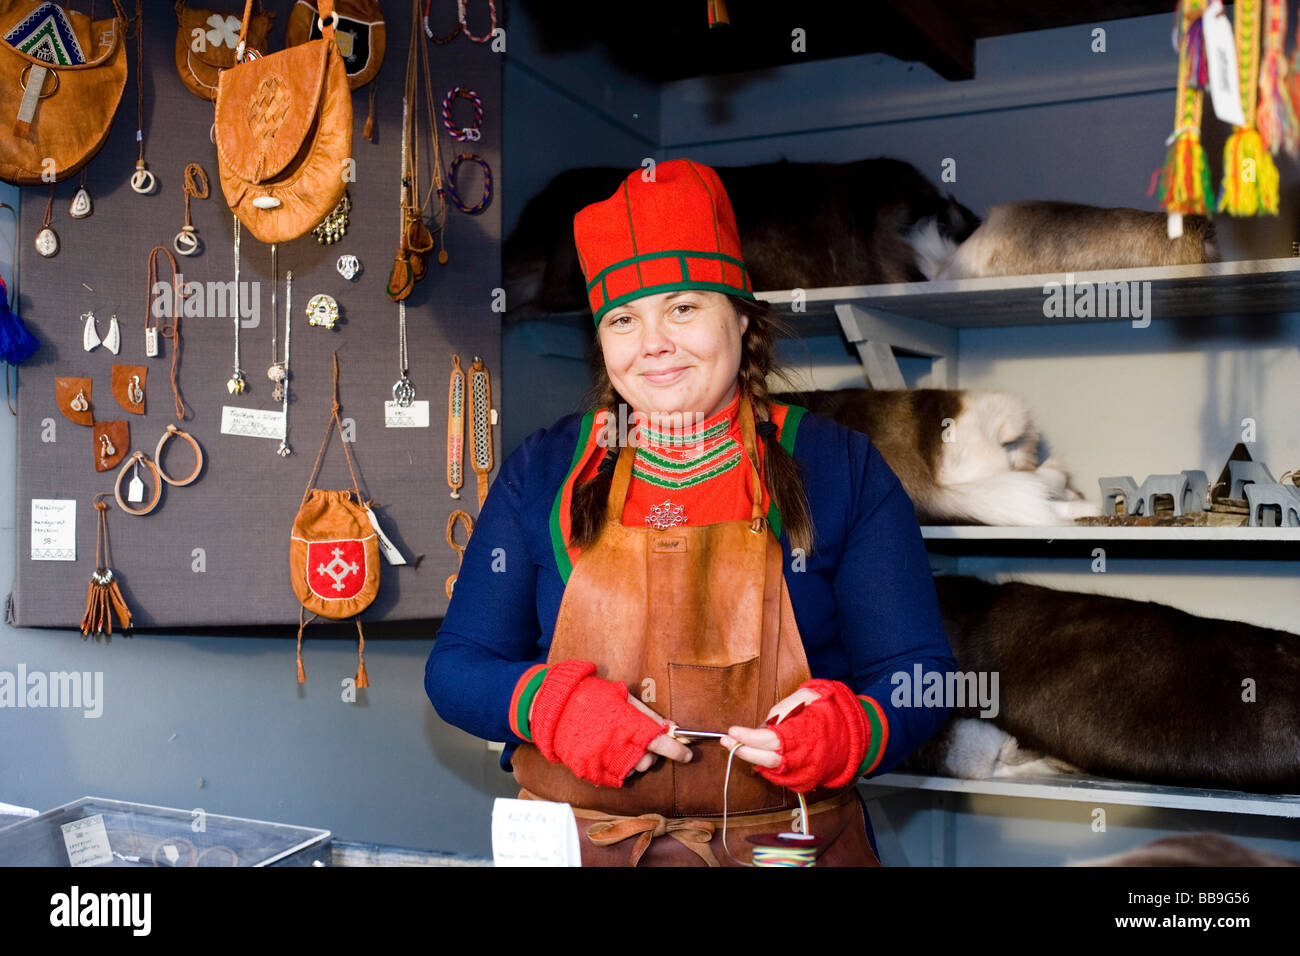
[(403, 392), (237, 383), (79, 403), (89, 335), (334, 226), (142, 181), (348, 267), (322, 310), (134, 393), (113, 340), (186, 243), (106, 449), (47, 243), (81, 206), (666, 515), (284, 451), (151, 342)]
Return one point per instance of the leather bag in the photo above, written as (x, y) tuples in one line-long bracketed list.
[(284, 134), (360, 34), (206, 42), (61, 79)]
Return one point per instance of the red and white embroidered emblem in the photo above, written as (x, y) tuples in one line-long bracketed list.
[(336, 570)]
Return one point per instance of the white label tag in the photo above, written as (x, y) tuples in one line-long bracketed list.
[(135, 488), (54, 529), (1221, 58), (390, 550), (415, 415), (252, 422), (87, 842), (534, 833), (1174, 225), (151, 342)]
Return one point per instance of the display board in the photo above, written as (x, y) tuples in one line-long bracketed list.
[(216, 552)]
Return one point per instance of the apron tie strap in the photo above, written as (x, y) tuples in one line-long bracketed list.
[(693, 834)]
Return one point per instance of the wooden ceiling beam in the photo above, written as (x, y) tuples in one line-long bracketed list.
[(943, 43)]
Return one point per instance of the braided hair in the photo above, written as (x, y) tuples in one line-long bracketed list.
[(781, 471)]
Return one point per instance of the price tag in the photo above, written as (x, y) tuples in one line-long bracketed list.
[(86, 841), (534, 833), (135, 490), (1221, 58), (415, 415)]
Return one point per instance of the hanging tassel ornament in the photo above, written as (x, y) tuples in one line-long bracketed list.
[(1184, 180), (1250, 177), (17, 344), (718, 14), (1277, 114), (103, 598)]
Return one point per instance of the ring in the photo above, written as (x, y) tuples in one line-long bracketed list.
[(27, 70), (234, 861), (139, 456), (198, 457)]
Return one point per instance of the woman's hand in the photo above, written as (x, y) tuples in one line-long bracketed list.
[(661, 746), (817, 738), (759, 745)]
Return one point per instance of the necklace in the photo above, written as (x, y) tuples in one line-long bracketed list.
[(284, 451), (275, 372), (172, 331), (195, 184), (81, 207), (103, 597), (47, 240), (403, 389), (237, 382), (142, 181)]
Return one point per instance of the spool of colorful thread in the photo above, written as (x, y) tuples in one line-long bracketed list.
[(786, 849)]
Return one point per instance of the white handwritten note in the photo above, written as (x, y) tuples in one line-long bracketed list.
[(415, 415), (534, 833), (87, 841), (54, 529), (1221, 59), (252, 422)]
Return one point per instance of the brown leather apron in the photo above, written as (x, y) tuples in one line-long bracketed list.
[(697, 621)]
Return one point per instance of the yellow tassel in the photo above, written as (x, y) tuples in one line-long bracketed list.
[(1250, 176)]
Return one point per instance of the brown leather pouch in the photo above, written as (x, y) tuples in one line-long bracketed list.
[(206, 41), (129, 385), (360, 35), (61, 78), (112, 439), (72, 395), (402, 279), (284, 135)]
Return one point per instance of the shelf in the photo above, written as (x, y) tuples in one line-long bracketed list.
[(1091, 533), (1100, 790), (1244, 287), (1209, 544)]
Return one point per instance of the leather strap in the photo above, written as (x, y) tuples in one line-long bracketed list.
[(172, 430)]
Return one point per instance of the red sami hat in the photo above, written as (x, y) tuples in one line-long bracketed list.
[(675, 231)]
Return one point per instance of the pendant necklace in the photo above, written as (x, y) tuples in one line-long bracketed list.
[(103, 597), (237, 382), (142, 181), (455, 426), (173, 331), (81, 207), (403, 389), (186, 242), (47, 241), (284, 451), (276, 370)]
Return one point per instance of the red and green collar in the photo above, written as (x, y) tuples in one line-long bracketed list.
[(785, 417)]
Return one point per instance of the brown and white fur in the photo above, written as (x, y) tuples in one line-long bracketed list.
[(1037, 237), (1121, 688), (962, 456)]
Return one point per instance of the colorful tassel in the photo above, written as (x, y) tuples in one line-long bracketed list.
[(1250, 177), (1277, 114), (17, 344), (1184, 179)]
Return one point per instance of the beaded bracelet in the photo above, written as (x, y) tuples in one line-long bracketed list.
[(463, 134), (450, 189)]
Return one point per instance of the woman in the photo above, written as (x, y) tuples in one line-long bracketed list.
[(629, 582)]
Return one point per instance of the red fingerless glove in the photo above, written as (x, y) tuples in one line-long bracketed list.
[(586, 723), (824, 744)]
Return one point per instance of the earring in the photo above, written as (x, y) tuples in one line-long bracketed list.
[(90, 334), (113, 340)]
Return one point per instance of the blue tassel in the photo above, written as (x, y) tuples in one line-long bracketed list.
[(17, 344)]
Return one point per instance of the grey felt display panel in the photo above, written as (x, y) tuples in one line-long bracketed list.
[(240, 510)]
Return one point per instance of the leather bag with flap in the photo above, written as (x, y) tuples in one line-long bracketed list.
[(61, 78), (360, 35), (284, 134), (206, 42)]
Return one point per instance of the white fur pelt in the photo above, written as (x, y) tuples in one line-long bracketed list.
[(980, 468), (976, 749)]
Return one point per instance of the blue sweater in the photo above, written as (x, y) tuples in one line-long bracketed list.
[(864, 601)]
